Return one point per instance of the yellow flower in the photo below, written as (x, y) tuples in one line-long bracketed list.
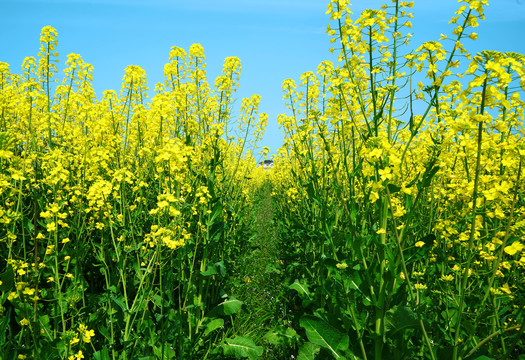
[(506, 289), (446, 277), (381, 231), (342, 266), (50, 249), (51, 226), (24, 322), (420, 244), (85, 333), (74, 340), (419, 286), (514, 248), (29, 291)]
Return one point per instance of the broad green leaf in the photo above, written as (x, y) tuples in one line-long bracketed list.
[(210, 270), (321, 333), (215, 269), (308, 351), (221, 268), (281, 336), (302, 289), (7, 279), (241, 347), (399, 318), (169, 353), (213, 325), (102, 354), (427, 177), (393, 188), (120, 303), (226, 308)]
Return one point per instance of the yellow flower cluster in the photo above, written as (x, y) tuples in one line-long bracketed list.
[(83, 178)]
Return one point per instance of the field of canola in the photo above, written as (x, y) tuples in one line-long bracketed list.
[(391, 226)]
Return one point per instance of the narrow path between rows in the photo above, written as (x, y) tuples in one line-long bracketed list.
[(260, 277)]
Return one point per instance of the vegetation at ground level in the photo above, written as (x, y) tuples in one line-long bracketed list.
[(391, 225)]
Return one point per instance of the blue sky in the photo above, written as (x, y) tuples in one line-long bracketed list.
[(275, 39)]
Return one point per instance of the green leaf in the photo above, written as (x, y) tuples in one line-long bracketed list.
[(221, 268), (308, 351), (226, 308), (214, 269), (302, 289), (399, 318), (353, 214), (120, 303), (104, 331), (210, 270), (102, 354), (241, 347), (321, 333), (213, 325), (393, 188), (281, 336), (169, 353), (427, 177), (483, 357), (7, 278)]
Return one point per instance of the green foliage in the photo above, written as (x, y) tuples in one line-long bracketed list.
[(241, 347)]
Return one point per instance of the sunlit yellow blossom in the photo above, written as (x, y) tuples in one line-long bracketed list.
[(506, 289), (446, 277), (29, 291), (77, 356), (514, 248), (85, 333)]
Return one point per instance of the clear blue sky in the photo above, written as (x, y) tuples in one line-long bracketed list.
[(275, 39)]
